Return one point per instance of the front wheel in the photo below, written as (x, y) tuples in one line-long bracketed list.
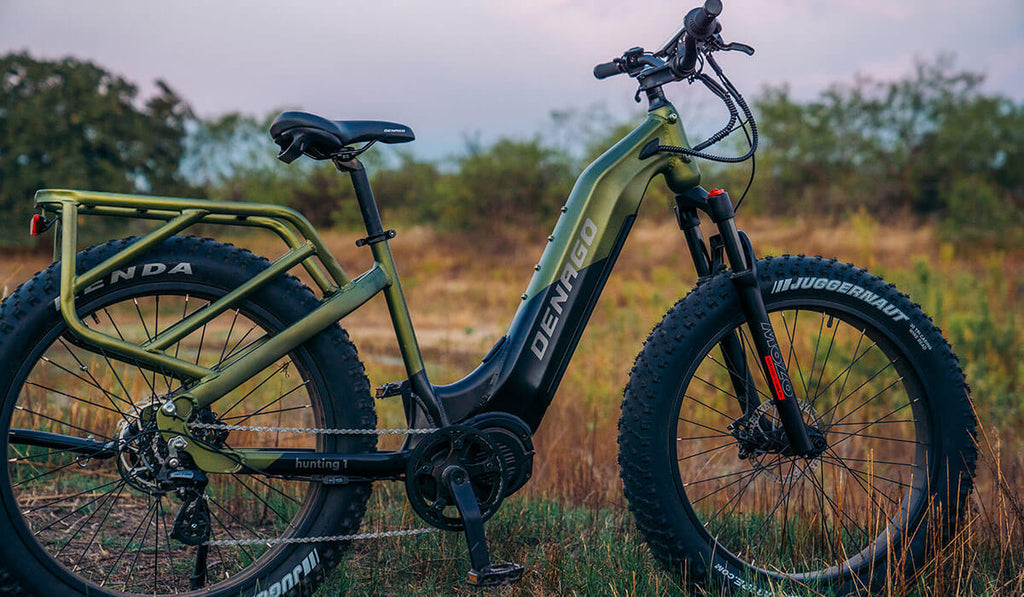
[(704, 459)]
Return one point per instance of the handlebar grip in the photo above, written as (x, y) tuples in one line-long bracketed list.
[(607, 69), (701, 22)]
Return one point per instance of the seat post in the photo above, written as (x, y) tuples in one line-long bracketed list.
[(364, 195), (377, 239)]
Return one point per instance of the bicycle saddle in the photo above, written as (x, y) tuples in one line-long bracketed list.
[(299, 133)]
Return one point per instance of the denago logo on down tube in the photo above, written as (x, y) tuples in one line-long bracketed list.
[(563, 288)]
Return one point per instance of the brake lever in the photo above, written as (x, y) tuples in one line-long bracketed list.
[(720, 45), (749, 51)]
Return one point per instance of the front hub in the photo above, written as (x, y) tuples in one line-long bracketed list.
[(762, 438)]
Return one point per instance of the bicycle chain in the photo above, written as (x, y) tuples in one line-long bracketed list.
[(315, 431), (323, 539)]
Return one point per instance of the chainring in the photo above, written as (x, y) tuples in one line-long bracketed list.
[(455, 445), (513, 438)]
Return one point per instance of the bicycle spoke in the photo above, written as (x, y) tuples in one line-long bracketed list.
[(258, 386), (867, 424), (236, 350), (258, 497), (868, 401), (689, 483), (227, 340), (736, 373), (830, 413), (75, 398), (59, 422), (708, 451), (875, 422), (814, 359), (142, 372), (701, 425), (839, 512), (783, 496), (878, 507), (828, 353), (260, 411), (147, 519), (71, 497), (227, 531), (839, 460), (128, 543), (751, 473), (94, 382), (711, 408), (103, 521), (272, 488), (792, 348)]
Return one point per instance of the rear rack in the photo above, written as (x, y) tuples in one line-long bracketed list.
[(179, 214)]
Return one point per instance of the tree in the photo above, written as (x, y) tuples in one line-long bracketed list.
[(903, 145), (71, 124), (512, 186)]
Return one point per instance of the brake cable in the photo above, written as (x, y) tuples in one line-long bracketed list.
[(727, 95)]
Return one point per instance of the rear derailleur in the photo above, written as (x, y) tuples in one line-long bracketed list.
[(458, 476)]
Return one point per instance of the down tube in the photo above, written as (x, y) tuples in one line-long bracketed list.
[(521, 376)]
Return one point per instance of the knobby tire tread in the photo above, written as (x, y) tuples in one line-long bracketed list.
[(640, 425), (43, 287)]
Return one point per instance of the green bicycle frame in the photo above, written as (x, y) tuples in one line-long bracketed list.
[(519, 376)]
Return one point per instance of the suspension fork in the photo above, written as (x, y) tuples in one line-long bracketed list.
[(730, 346), (740, 255)]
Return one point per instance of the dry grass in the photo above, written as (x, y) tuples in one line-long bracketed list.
[(462, 297)]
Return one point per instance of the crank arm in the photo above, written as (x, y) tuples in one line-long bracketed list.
[(482, 573)]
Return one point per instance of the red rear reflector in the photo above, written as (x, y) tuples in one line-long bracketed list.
[(715, 192), (37, 226)]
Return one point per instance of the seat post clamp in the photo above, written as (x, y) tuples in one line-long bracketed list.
[(376, 238)]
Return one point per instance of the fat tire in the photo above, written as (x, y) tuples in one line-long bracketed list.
[(29, 313), (666, 360)]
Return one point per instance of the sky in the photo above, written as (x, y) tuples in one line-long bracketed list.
[(458, 69)]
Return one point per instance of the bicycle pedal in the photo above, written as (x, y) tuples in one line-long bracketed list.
[(495, 575), (389, 389)]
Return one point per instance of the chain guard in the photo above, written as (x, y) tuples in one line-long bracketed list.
[(460, 445)]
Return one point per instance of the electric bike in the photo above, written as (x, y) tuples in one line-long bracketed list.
[(180, 415)]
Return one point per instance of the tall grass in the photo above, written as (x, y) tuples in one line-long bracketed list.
[(570, 524), (973, 297)]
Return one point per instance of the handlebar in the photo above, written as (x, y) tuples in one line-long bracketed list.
[(677, 61), (700, 26)]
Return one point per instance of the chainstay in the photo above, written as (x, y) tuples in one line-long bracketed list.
[(324, 539), (312, 430), (318, 431)]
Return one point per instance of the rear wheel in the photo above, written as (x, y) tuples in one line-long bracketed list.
[(705, 464), (76, 525)]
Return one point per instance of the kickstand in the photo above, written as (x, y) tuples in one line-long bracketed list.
[(482, 573), (198, 578)]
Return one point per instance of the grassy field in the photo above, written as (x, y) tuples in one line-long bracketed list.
[(570, 525)]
